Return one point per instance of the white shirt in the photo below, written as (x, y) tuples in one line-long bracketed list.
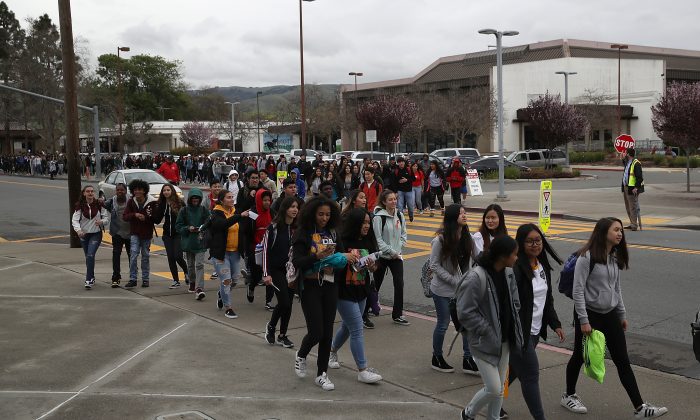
[(539, 293), (479, 242)]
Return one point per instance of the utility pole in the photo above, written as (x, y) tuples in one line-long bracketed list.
[(71, 108), (619, 48)]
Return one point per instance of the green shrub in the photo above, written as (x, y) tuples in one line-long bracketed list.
[(694, 162), (682, 161), (511, 173), (659, 160), (586, 157)]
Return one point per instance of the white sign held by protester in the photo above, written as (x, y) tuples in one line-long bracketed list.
[(473, 183)]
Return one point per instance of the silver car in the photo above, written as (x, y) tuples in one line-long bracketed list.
[(155, 182)]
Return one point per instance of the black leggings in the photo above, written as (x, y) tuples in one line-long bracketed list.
[(285, 298), (256, 273), (174, 252), (437, 192), (456, 195), (117, 243), (609, 324), (396, 267), (319, 303)]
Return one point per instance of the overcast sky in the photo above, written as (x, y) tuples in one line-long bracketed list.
[(256, 42)]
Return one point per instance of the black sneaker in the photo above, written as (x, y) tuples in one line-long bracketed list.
[(230, 314), (269, 334), (214, 276), (465, 416), (367, 323), (503, 414), (219, 301), (469, 366), (115, 283), (401, 321), (145, 283), (130, 284), (283, 341), (199, 294), (250, 295), (441, 365), (89, 284), (269, 307), (175, 285)]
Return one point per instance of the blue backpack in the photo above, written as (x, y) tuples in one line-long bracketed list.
[(566, 276)]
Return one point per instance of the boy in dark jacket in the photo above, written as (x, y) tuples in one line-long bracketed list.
[(139, 212), (189, 220)]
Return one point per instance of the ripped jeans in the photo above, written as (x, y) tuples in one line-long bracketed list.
[(90, 243), (229, 271)]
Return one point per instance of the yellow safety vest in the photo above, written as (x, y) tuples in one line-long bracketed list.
[(632, 180)]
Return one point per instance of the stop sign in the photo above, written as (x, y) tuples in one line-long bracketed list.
[(624, 142)]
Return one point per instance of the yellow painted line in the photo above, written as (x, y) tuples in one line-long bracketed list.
[(106, 237), (41, 239), (3, 240), (416, 254), (34, 185)]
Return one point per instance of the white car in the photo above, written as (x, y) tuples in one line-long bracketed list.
[(358, 157), (106, 189), (446, 155)]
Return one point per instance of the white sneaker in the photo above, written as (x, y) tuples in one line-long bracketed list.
[(333, 362), (368, 377), (649, 411), (324, 382), (300, 366), (574, 404)]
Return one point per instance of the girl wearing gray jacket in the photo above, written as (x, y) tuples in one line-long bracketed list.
[(488, 308), (450, 256)]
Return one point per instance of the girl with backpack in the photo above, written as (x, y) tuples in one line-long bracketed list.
[(493, 225), (316, 253), (598, 305), (450, 256), (488, 307), (169, 205), (353, 289), (533, 274), (88, 221), (276, 247), (389, 228)]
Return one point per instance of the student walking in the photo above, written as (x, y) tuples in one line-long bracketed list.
[(169, 205), (598, 304), (223, 249), (487, 307), (88, 221), (276, 245), (258, 227), (317, 252), (139, 212), (118, 230), (436, 186), (533, 274), (189, 220), (417, 185), (353, 288), (389, 228), (450, 257), (493, 225)]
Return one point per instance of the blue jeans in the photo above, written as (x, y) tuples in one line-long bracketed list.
[(418, 197), (406, 198), (229, 268), (142, 246), (90, 243), (351, 326), (442, 307)]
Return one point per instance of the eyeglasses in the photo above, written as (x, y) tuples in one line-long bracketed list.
[(536, 242)]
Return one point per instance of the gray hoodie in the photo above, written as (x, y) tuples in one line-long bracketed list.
[(598, 290), (391, 239), (477, 311), (445, 277)]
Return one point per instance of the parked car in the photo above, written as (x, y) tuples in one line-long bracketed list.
[(106, 189), (490, 163), (445, 155), (337, 155), (539, 158), (358, 157)]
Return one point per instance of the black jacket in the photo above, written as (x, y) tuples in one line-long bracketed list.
[(523, 278), (218, 227), (169, 228), (399, 173)]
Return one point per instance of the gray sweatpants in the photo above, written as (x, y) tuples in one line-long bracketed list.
[(195, 267)]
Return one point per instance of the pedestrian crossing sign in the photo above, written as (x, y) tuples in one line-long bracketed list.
[(545, 205)]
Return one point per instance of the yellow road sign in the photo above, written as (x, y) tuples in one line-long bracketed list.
[(545, 205)]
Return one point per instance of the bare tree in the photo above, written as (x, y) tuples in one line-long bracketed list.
[(197, 135), (389, 115), (592, 105)]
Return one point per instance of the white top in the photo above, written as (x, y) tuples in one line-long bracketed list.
[(479, 242), (539, 293)]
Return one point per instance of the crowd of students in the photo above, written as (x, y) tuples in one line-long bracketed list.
[(335, 259)]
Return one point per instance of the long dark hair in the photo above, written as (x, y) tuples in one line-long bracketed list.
[(457, 246), (597, 244), (352, 226), (438, 171), (500, 230), (176, 203), (521, 236), (351, 202), (307, 220), (502, 246), (281, 216)]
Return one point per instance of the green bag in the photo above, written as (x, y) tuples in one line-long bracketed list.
[(594, 356)]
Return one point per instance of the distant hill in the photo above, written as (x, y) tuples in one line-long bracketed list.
[(271, 98)]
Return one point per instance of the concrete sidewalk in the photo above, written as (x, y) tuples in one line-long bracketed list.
[(108, 353)]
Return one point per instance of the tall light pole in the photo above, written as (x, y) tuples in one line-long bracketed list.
[(499, 67), (302, 141), (357, 141), (233, 124), (120, 99), (257, 99), (619, 48), (566, 100)]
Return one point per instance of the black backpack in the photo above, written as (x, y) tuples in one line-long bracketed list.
[(566, 276)]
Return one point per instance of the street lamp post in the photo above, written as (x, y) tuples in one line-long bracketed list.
[(233, 124), (357, 141), (499, 69), (120, 99), (619, 48), (302, 141), (257, 99), (566, 75)]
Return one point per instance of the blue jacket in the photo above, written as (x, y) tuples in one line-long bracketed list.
[(301, 185)]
